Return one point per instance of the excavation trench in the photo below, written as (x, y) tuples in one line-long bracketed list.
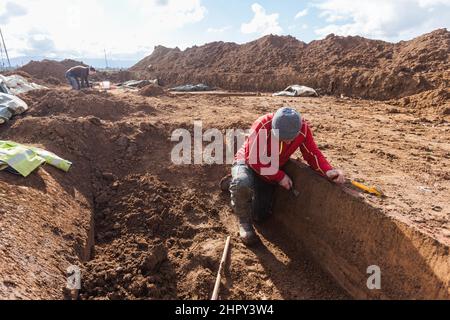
[(348, 238), (143, 228), (160, 231), (137, 225), (154, 241)]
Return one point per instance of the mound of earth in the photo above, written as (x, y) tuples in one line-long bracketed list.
[(353, 66), (428, 102), (151, 91), (113, 76), (49, 68), (53, 81), (81, 104), (19, 73)]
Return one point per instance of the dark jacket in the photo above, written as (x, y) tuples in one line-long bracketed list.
[(79, 72)]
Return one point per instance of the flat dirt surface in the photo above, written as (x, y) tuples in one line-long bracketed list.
[(159, 228)]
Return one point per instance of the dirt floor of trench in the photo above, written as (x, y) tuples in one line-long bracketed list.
[(159, 228)]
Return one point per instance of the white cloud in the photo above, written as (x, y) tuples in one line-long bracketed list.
[(390, 20), (218, 30), (84, 28), (262, 23), (170, 13), (10, 10), (302, 13)]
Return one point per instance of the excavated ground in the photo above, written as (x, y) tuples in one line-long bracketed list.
[(160, 228)]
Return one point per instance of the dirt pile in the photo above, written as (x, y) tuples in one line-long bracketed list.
[(353, 66), (19, 73), (49, 68), (49, 71), (428, 102), (151, 91), (53, 81), (77, 104), (113, 76)]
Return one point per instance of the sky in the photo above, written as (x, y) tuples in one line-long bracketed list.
[(129, 30)]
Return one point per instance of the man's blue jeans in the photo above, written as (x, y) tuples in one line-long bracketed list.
[(73, 82), (251, 196)]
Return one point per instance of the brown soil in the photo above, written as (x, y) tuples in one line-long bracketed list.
[(151, 91), (353, 66), (49, 68), (434, 102), (53, 72), (53, 81), (18, 72), (160, 228), (113, 76)]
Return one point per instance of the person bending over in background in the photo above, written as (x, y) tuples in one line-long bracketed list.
[(75, 74), (251, 188)]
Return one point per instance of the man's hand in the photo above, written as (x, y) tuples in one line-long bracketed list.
[(336, 176), (286, 183)]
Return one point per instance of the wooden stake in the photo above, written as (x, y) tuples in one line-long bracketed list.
[(215, 294)]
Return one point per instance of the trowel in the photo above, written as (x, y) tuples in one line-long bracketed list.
[(375, 191), (294, 191)]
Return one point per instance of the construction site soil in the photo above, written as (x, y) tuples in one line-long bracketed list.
[(143, 228)]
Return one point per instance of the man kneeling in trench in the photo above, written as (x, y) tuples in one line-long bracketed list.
[(251, 188)]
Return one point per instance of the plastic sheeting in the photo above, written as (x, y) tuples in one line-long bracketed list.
[(18, 84), (24, 160), (10, 106), (3, 87), (191, 88), (297, 91)]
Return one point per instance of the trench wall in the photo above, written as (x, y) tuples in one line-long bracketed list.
[(345, 235)]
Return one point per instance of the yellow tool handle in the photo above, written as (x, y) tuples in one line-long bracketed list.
[(367, 189)]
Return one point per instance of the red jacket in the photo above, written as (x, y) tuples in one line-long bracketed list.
[(305, 141)]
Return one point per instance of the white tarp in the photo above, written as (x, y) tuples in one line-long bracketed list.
[(297, 91), (18, 84), (10, 106), (3, 87)]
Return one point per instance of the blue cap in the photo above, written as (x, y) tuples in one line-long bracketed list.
[(286, 124)]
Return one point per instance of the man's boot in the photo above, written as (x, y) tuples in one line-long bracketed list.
[(247, 232)]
